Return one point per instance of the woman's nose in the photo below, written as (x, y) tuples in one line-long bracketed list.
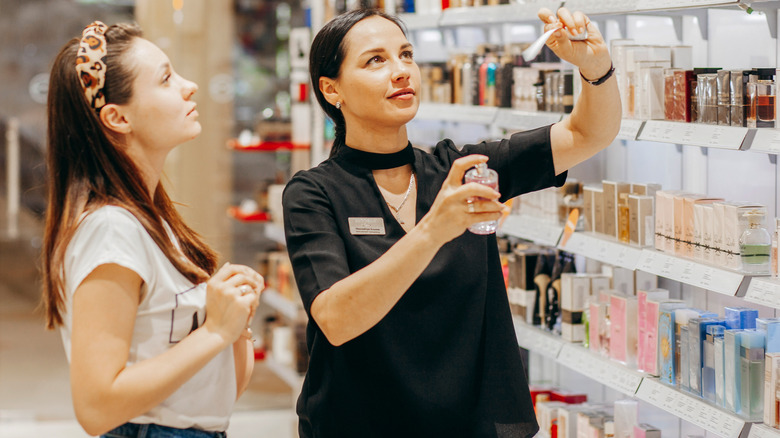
[(401, 71), (189, 88)]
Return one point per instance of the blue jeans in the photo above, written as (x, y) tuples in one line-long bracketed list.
[(132, 430)]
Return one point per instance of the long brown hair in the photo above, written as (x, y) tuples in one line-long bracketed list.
[(88, 170)]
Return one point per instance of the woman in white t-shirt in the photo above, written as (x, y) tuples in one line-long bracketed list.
[(127, 281)]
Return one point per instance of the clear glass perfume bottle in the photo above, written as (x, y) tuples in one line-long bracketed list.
[(761, 92), (755, 244), (482, 175)]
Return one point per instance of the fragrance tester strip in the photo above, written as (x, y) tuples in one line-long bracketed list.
[(732, 78)]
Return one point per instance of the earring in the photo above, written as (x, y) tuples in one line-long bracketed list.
[(338, 105)]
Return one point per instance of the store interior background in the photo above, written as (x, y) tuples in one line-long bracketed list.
[(237, 51)]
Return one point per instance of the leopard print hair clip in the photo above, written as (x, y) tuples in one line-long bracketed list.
[(91, 65)]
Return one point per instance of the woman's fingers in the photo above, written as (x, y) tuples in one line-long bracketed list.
[(459, 168)]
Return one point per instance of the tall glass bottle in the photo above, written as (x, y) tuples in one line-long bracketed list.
[(761, 99), (755, 244)]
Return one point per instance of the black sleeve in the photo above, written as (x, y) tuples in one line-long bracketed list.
[(314, 244), (524, 162)]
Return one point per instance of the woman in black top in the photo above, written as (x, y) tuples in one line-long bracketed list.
[(409, 329)]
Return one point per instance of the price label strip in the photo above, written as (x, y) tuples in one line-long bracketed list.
[(601, 6), (523, 120), (767, 141), (629, 129), (690, 409), (690, 272), (758, 430), (694, 134), (764, 291), (602, 370), (535, 339), (533, 229), (604, 250)]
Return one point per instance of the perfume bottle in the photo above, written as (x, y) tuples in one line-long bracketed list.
[(761, 90), (775, 237), (623, 218), (755, 244), (482, 175)]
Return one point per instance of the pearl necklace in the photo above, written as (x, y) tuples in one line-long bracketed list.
[(397, 210)]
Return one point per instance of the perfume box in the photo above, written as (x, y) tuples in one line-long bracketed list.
[(623, 280), (547, 415), (732, 227), (732, 388), (599, 283), (738, 80), (612, 191), (743, 318), (724, 97), (666, 343), (690, 224), (598, 210), (575, 290), (623, 329), (720, 373), (641, 220), (645, 189), (706, 223), (697, 333), (522, 263), (644, 324), (587, 209), (567, 420), (652, 343), (646, 431), (645, 280), (771, 329), (660, 206), (772, 390), (685, 353), (539, 393), (683, 223), (625, 416), (708, 374), (669, 218)]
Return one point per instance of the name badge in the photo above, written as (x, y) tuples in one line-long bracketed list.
[(367, 226)]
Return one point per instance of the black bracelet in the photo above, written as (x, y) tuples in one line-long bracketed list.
[(602, 79)]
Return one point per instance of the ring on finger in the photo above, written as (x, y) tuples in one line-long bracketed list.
[(470, 207), (245, 289)]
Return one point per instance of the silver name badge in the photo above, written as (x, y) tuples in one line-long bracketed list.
[(367, 226)]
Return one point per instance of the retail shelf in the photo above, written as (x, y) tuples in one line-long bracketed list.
[(523, 120), (766, 141), (629, 129), (690, 408), (694, 134), (289, 375), (265, 146), (415, 21), (764, 291), (604, 249), (486, 15), (716, 279), (531, 228), (605, 371), (255, 216), (276, 301), (763, 431), (629, 6), (537, 340), (484, 115)]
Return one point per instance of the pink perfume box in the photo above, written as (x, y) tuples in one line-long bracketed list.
[(623, 328)]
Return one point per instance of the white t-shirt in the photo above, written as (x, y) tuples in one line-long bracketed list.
[(171, 307)]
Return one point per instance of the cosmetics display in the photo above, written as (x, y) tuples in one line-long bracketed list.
[(574, 419), (622, 210)]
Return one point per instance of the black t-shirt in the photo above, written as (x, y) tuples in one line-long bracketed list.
[(444, 361)]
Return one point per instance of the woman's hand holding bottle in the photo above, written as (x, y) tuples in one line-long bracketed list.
[(458, 205), (232, 295)]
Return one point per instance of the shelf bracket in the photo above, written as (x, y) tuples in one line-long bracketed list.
[(770, 14)]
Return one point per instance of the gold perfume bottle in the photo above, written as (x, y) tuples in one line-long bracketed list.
[(623, 218)]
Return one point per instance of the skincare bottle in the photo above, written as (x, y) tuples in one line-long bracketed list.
[(720, 373), (483, 175), (707, 98), (724, 97), (738, 95), (751, 354), (755, 244), (761, 99), (732, 391), (775, 239), (684, 374)]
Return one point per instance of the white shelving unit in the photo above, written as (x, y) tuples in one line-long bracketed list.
[(763, 431), (604, 249), (764, 291), (632, 383), (530, 228)]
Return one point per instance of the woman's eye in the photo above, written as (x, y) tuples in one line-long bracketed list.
[(375, 59), (407, 54), (166, 78)]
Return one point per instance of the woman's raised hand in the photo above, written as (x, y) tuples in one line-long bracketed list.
[(232, 295), (590, 55), (458, 205)]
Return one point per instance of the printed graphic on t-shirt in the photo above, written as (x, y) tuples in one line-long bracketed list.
[(187, 314)]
